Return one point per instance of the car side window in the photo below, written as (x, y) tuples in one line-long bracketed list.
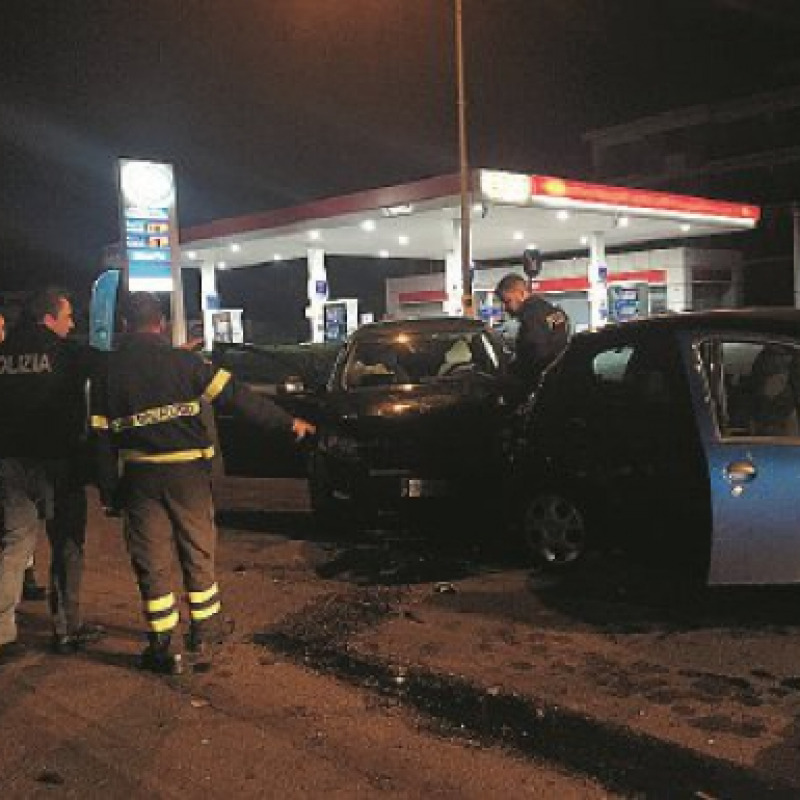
[(608, 366), (755, 386), (631, 374)]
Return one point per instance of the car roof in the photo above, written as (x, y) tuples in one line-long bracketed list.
[(418, 325), (778, 321)]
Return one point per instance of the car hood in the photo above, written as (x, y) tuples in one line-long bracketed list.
[(411, 402), (443, 429)]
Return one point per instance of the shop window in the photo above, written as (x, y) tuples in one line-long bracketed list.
[(709, 295), (658, 299)]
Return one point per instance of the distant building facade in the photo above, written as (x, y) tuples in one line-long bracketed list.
[(746, 149), (640, 283)]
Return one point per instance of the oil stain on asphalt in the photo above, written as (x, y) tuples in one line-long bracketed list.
[(625, 761)]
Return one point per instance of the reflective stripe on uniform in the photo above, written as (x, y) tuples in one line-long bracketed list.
[(199, 614), (205, 604), (99, 423), (175, 457), (164, 624), (161, 613), (217, 384), (157, 415), (202, 597), (156, 604)]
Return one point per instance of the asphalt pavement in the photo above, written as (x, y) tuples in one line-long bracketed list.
[(616, 673), (410, 669)]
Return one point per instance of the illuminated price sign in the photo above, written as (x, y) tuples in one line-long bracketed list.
[(149, 222)]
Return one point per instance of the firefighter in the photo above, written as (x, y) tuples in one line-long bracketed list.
[(146, 411), (42, 431), (543, 330)]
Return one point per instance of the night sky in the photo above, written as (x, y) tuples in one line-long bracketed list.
[(268, 103)]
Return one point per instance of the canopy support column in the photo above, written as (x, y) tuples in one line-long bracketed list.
[(598, 281), (209, 300), (317, 293), (454, 275), (796, 231)]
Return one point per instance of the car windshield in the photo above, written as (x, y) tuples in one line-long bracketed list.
[(414, 358)]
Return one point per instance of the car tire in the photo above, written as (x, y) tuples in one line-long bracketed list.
[(554, 532)]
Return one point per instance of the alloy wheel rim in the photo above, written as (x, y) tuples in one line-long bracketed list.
[(555, 530)]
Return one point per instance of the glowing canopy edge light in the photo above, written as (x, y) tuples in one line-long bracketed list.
[(646, 199)]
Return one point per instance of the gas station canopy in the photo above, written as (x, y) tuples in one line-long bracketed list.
[(510, 212)]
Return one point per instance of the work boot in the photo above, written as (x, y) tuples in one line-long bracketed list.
[(205, 639), (156, 657), (30, 588)]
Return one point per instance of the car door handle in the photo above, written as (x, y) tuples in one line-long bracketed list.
[(741, 471)]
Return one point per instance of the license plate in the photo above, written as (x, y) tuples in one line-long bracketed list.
[(415, 487)]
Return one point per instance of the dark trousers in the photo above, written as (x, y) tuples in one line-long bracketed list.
[(66, 530), (169, 512)]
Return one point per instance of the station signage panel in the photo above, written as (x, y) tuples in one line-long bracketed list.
[(149, 224)]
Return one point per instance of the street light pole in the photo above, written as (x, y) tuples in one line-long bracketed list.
[(466, 256)]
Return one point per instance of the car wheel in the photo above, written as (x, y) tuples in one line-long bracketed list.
[(554, 532)]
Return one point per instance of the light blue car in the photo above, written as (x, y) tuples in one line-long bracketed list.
[(675, 438)]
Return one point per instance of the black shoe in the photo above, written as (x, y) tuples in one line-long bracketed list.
[(33, 592), (68, 644), (161, 662), (89, 634), (156, 657), (64, 644), (204, 641), (11, 652), (210, 634), (30, 588)]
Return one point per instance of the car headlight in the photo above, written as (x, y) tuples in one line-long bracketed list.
[(338, 445)]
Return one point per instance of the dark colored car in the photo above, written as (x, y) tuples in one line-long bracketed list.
[(675, 438), (246, 450), (409, 427)]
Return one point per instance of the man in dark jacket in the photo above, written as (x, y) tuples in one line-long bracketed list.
[(146, 410), (30, 586), (543, 329), (42, 429)]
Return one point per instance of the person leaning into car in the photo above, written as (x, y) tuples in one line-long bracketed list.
[(543, 330), (146, 401)]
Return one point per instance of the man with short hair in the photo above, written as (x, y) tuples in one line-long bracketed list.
[(543, 329), (147, 400), (42, 429)]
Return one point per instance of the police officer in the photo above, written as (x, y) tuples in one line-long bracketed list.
[(146, 410), (42, 426), (30, 586), (543, 329)]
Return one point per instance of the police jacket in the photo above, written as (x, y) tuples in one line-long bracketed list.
[(42, 394), (146, 405), (542, 335)]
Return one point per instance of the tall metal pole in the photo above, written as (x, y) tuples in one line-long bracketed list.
[(796, 240), (466, 256)]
